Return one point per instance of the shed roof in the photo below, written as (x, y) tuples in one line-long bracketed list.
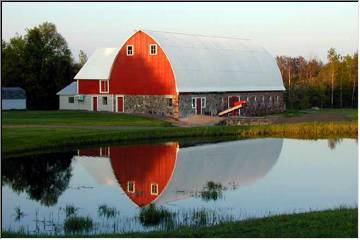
[(13, 93), (70, 89), (98, 66), (216, 64)]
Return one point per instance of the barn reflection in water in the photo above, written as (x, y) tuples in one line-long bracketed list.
[(162, 173)]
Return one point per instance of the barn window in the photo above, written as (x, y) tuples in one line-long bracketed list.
[(277, 99), (131, 187), (71, 99), (193, 102), (154, 189), (203, 102), (130, 50), (104, 86), (169, 102), (263, 99), (153, 49), (104, 100), (255, 99)]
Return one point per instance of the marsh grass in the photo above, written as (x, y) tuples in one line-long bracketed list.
[(152, 215), (107, 212), (77, 224), (70, 210), (19, 214), (22, 141)]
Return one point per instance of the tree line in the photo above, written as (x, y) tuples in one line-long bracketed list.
[(311, 83), (41, 63)]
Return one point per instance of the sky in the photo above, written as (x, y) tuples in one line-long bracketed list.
[(308, 29)]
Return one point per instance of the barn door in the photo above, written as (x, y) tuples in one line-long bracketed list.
[(120, 104), (231, 103), (95, 107), (198, 105)]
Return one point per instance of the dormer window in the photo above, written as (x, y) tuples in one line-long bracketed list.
[(153, 49), (104, 86), (130, 50)]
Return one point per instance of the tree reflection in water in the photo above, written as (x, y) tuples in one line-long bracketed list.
[(333, 142), (43, 177)]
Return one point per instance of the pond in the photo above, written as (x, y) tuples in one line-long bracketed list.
[(185, 184)]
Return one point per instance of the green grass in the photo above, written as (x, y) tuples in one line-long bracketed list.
[(77, 118), (351, 113), (335, 223), (18, 141)]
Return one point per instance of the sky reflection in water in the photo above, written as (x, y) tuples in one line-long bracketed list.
[(241, 178)]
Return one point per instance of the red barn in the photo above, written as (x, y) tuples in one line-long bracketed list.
[(177, 75)]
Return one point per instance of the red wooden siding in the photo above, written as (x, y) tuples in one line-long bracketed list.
[(142, 73), (144, 165), (88, 86)]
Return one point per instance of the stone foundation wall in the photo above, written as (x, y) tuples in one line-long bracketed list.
[(152, 104), (259, 103)]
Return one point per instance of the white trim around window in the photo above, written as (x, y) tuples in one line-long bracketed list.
[(130, 50), (100, 88), (150, 49)]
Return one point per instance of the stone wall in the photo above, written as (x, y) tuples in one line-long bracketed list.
[(259, 103), (153, 104)]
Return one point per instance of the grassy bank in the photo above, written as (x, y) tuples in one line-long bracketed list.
[(339, 223), (17, 141), (77, 118)]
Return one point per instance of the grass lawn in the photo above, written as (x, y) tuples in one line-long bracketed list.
[(351, 113), (336, 223), (77, 118)]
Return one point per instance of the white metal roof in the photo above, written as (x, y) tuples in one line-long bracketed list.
[(216, 64), (98, 65), (70, 89)]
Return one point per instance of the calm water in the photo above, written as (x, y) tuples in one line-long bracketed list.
[(230, 180)]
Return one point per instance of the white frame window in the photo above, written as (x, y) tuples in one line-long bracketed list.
[(101, 90), (277, 99), (203, 102), (169, 102), (129, 50), (72, 101), (129, 183), (104, 100), (263, 99), (153, 49), (155, 187), (255, 98), (193, 102)]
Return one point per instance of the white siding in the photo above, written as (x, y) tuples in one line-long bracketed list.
[(13, 104), (86, 104)]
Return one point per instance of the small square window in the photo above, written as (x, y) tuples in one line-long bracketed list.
[(153, 49), (104, 100), (71, 99), (130, 50), (154, 189), (169, 102), (131, 187), (193, 102)]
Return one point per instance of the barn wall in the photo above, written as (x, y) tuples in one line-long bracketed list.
[(88, 86), (151, 104), (142, 73), (217, 102), (65, 105), (13, 104), (87, 103)]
